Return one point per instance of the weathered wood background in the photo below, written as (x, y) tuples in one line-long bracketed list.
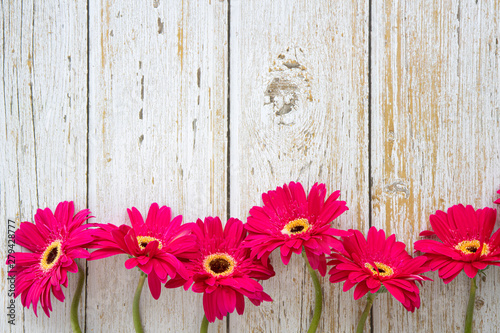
[(204, 105)]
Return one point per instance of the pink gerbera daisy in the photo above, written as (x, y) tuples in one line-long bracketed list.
[(155, 246), (290, 220), (223, 269), (466, 241), (375, 262), (55, 241), (498, 200)]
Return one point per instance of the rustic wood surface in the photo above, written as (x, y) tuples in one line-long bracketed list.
[(299, 111), (43, 130), (435, 140), (204, 105), (157, 133)]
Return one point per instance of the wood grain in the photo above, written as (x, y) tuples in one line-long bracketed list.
[(151, 125), (158, 125), (435, 125), (299, 87), (44, 126)]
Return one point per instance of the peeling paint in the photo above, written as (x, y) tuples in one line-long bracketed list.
[(291, 64), (282, 94), (194, 132), (160, 26), (180, 37), (397, 186), (142, 88)]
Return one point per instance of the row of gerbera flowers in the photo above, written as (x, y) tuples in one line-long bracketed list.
[(225, 263)]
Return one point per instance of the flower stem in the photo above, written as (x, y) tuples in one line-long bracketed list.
[(76, 300), (470, 306), (135, 306), (204, 325), (318, 306), (369, 302)]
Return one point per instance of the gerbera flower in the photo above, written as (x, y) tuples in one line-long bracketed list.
[(223, 269), (55, 241), (466, 244), (497, 201), (375, 262), (155, 246), (466, 241), (291, 221)]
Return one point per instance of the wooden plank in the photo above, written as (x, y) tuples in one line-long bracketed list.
[(18, 153), (435, 142), (44, 126), (158, 126), (299, 88)]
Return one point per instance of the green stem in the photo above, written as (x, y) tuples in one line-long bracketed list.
[(470, 306), (204, 325), (318, 305), (369, 302), (135, 306), (76, 300)]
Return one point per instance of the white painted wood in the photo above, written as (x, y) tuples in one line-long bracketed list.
[(17, 145), (157, 131), (158, 124), (44, 126), (436, 141), (299, 88)]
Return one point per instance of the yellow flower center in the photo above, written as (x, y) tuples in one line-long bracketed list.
[(51, 255), (383, 269), (143, 241), (295, 227), (219, 264), (471, 247)]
